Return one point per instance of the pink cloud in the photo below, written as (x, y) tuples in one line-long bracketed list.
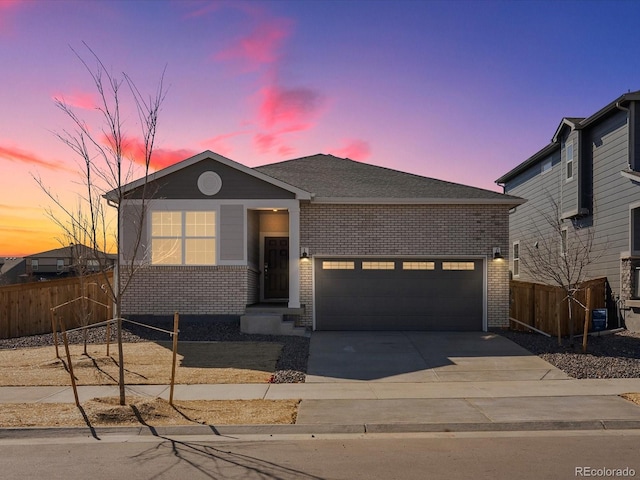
[(260, 47), (218, 143), (14, 154), (6, 8), (86, 101), (133, 149), (353, 149), (285, 106)]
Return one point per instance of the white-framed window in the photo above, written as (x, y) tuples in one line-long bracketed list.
[(634, 230), (34, 264), (568, 154), (546, 166), (458, 266), (59, 264), (183, 238), (516, 259)]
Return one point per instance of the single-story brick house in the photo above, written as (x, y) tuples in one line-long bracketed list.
[(334, 243)]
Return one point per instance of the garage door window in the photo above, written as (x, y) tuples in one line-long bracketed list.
[(327, 265), (458, 266), (378, 265), (418, 265)]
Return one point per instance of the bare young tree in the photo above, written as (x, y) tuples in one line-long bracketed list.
[(560, 255), (106, 163)]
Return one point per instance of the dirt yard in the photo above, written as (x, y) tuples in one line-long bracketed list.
[(145, 363), (155, 412)]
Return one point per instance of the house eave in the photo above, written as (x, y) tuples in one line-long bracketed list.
[(512, 201), (535, 158)]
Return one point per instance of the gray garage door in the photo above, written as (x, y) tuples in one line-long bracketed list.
[(398, 294)]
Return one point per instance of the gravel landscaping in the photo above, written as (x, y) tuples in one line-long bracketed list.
[(614, 355), (291, 367)]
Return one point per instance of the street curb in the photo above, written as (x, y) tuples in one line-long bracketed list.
[(309, 429)]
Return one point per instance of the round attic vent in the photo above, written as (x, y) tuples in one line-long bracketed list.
[(209, 183)]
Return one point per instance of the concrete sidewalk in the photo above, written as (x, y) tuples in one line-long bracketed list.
[(372, 407), (336, 391)]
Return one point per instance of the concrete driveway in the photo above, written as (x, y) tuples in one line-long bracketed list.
[(422, 357)]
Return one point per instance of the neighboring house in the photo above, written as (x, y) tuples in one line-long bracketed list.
[(12, 270), (591, 170), (339, 244), (65, 262)]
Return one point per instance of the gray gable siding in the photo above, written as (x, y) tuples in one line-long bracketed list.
[(232, 232), (183, 184)]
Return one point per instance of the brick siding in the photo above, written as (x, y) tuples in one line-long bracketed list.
[(161, 290), (454, 230)]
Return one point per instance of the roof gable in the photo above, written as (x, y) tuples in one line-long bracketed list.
[(238, 181)]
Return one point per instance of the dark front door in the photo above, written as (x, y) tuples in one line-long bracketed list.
[(276, 267)]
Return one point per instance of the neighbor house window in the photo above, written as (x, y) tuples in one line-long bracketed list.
[(546, 166), (634, 228), (563, 241), (378, 265), (183, 238), (458, 266), (569, 159), (34, 264), (60, 264), (516, 259)]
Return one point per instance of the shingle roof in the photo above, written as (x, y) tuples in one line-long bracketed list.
[(329, 177)]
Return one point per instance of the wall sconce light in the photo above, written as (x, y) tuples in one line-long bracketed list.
[(496, 253), (304, 253)]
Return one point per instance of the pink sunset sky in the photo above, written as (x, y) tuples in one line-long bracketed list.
[(457, 90)]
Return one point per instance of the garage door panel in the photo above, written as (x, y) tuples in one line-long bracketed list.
[(399, 299)]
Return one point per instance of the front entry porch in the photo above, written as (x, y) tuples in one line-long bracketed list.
[(272, 319)]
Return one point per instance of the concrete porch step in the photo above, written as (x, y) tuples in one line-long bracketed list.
[(265, 323)]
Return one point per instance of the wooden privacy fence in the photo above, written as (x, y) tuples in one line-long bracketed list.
[(25, 309), (540, 305)]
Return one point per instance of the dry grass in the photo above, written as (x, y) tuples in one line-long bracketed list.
[(153, 412), (632, 397), (145, 363)]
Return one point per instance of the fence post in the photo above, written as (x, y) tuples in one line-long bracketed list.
[(587, 315), (176, 319)]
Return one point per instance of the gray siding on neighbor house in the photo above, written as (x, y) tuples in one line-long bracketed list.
[(183, 184), (604, 155), (540, 190), (232, 232), (612, 194)]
